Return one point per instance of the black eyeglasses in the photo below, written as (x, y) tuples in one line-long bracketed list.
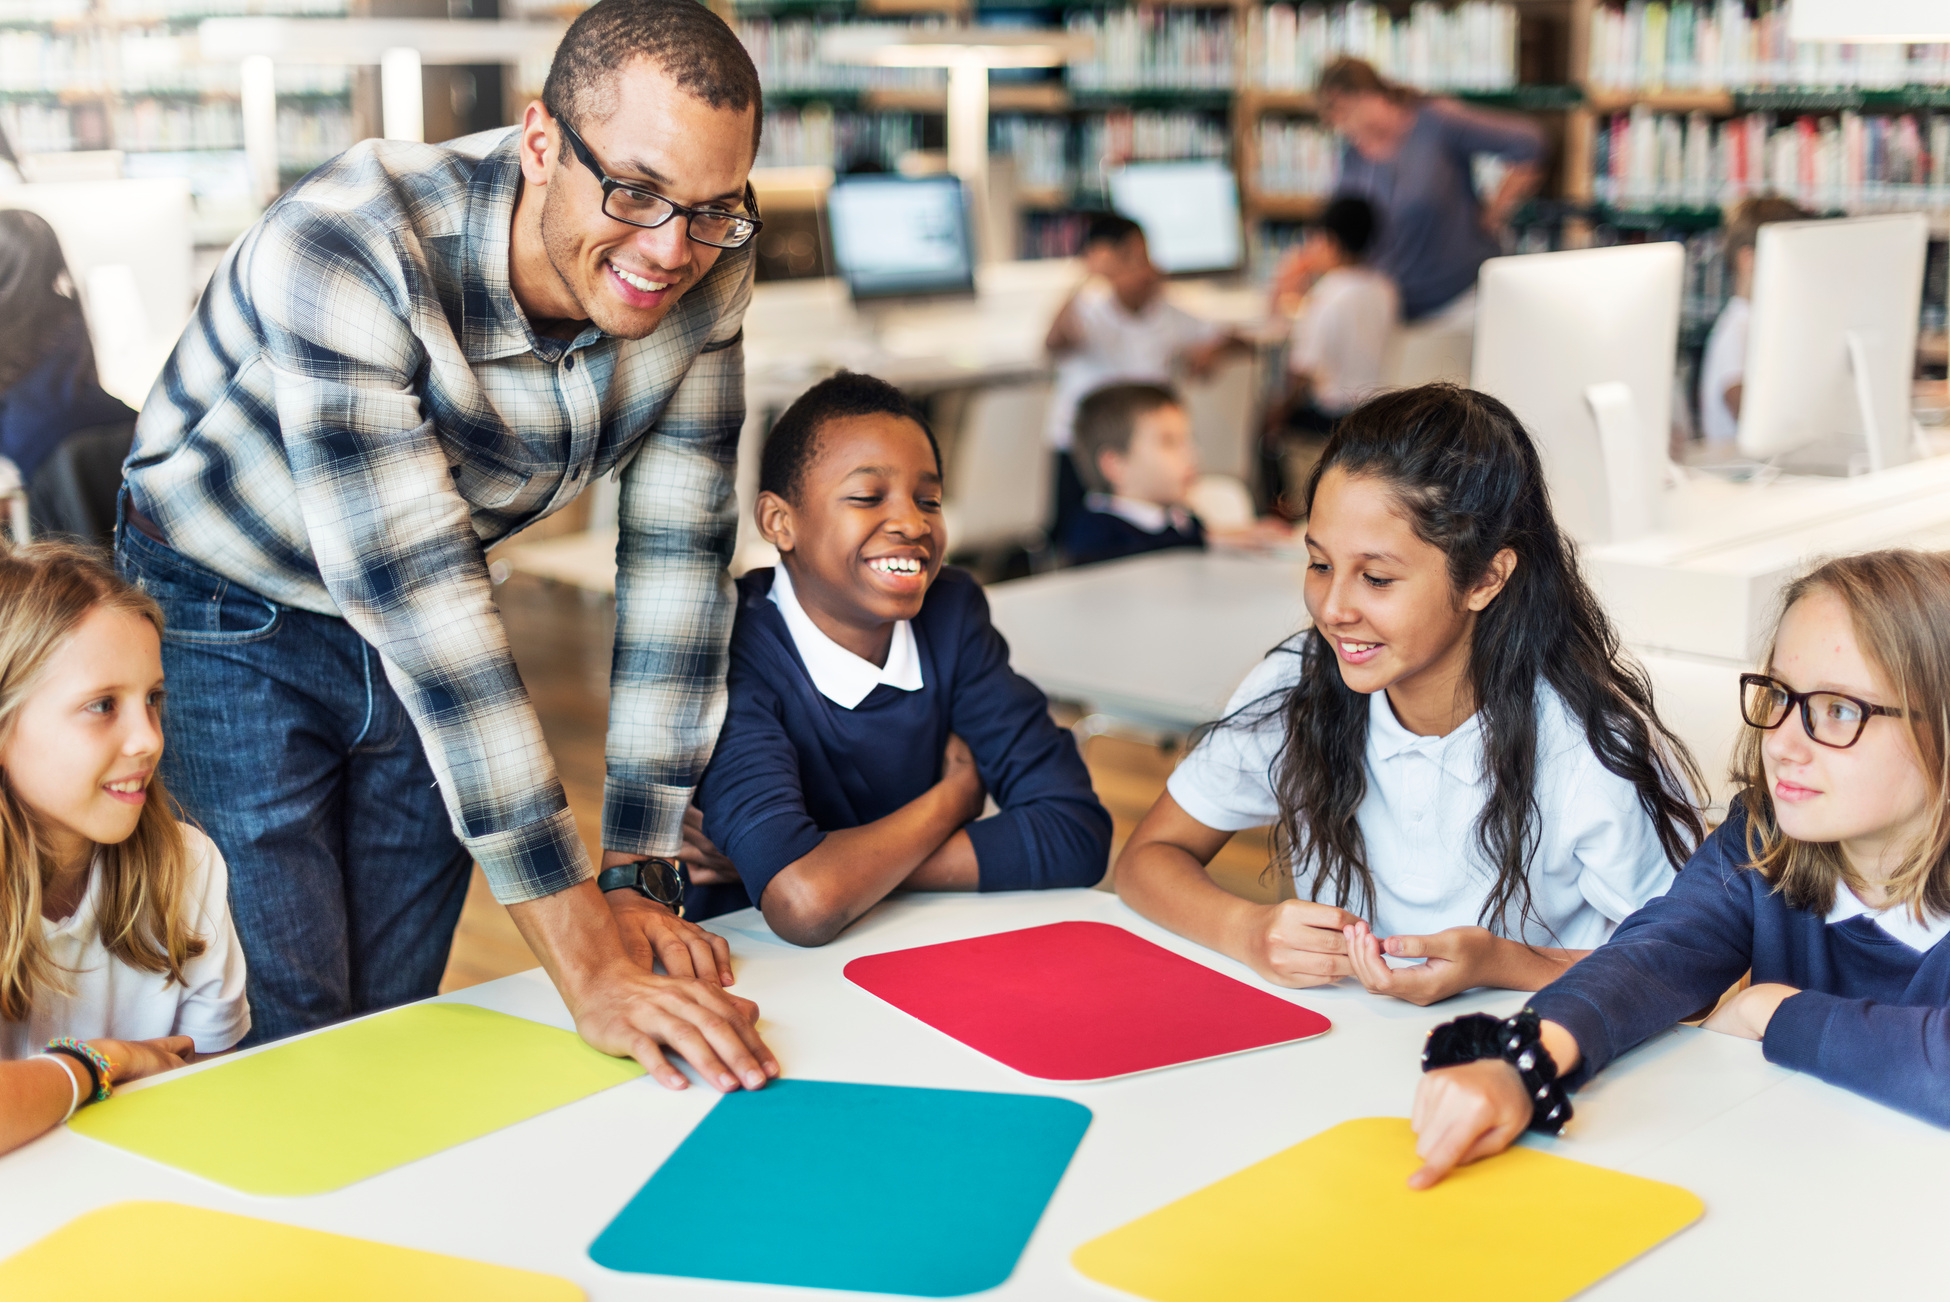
[(645, 208), (1831, 718)]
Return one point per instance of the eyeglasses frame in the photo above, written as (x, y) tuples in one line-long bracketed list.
[(610, 184), (1802, 700)]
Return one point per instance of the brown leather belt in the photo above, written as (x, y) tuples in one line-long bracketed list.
[(145, 526)]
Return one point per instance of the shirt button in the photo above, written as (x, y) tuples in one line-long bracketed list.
[(569, 363)]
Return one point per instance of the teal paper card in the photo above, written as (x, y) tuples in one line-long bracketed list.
[(876, 1188)]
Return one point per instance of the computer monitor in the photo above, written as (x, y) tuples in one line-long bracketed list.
[(1189, 212), (899, 236), (1581, 345), (1832, 344)]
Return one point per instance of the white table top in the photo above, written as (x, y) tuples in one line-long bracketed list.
[(798, 331), (1160, 639), (1801, 1181)]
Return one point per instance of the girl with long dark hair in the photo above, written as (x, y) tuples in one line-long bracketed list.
[(1459, 765)]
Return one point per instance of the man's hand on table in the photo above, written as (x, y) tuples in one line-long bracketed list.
[(623, 1008), (652, 932)]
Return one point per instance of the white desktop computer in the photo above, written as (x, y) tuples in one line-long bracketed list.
[(1580, 345), (1189, 212), (1832, 347), (901, 236)]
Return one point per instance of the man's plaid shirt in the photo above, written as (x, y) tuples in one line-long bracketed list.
[(359, 408)]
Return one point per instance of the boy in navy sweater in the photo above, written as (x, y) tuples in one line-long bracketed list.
[(872, 707), (1830, 880), (1135, 452)]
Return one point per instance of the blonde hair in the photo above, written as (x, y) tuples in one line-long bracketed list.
[(46, 590), (1897, 601)]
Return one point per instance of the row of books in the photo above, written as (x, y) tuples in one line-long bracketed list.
[(1040, 147), (816, 136), (1849, 161), (1297, 157), (1721, 45), (306, 135), (1468, 46), (786, 52), (136, 61), (139, 11), (1154, 49)]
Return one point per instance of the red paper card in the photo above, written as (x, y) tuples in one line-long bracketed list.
[(1080, 1001)]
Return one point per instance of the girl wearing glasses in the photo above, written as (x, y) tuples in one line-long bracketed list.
[(1830, 880)]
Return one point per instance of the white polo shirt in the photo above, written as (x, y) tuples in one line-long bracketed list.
[(111, 1000), (1341, 336), (1119, 346), (1597, 860)]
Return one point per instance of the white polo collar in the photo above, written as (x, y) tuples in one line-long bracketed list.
[(1148, 516), (842, 677), (1460, 753), (1898, 922)]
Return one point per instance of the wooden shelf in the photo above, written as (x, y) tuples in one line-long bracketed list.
[(1717, 102), (1040, 97), (1284, 207)]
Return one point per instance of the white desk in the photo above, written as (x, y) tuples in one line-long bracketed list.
[(1160, 640), (1801, 1181), (799, 331)]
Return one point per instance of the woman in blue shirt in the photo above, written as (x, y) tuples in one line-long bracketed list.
[(1410, 158)]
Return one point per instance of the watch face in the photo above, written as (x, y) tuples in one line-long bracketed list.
[(661, 881)]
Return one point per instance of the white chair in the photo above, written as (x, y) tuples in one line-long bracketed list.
[(1223, 502), (998, 492), (1428, 352), (1224, 411), (14, 493)]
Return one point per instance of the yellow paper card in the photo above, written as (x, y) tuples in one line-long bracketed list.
[(1332, 1217), (164, 1252), (317, 1114)]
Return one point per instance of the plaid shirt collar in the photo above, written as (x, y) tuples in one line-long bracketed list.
[(493, 325)]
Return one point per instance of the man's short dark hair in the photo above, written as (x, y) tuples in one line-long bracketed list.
[(1105, 422), (1110, 228), (689, 42), (1350, 219), (794, 440)]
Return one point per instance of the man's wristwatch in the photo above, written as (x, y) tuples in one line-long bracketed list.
[(660, 881)]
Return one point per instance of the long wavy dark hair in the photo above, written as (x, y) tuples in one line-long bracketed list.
[(1468, 480)]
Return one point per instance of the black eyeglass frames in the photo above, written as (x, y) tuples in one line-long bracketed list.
[(646, 208), (1831, 718)]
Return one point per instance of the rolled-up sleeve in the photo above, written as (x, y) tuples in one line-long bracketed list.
[(677, 524)]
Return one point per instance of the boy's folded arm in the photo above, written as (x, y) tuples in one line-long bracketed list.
[(1899, 1056), (814, 898)]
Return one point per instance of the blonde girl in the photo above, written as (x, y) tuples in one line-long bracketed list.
[(1830, 880), (118, 958)]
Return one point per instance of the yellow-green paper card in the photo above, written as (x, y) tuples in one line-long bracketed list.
[(319, 1113), (1333, 1217), (165, 1252)]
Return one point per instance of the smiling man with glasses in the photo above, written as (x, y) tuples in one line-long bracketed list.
[(418, 351)]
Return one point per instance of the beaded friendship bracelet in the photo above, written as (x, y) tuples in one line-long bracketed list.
[(100, 1073)]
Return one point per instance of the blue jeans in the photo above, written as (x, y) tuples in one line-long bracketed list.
[(287, 745)]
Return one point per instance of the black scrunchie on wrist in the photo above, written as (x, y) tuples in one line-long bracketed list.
[(1518, 1041)]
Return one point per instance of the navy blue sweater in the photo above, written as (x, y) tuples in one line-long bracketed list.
[(1101, 536), (792, 765), (1873, 1015)]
